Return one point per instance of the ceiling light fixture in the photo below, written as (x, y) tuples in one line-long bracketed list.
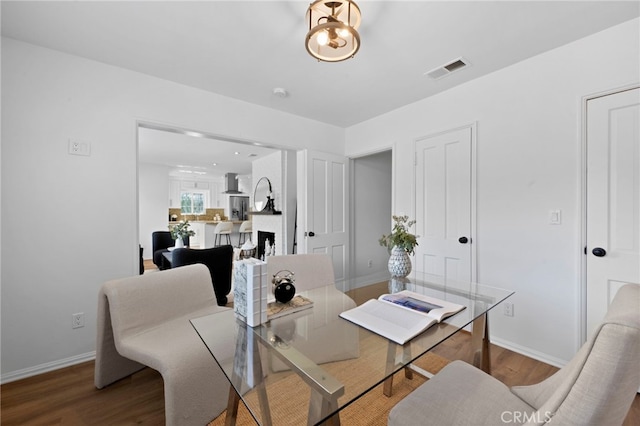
[(332, 35)]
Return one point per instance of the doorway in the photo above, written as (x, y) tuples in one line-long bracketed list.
[(171, 159), (371, 210)]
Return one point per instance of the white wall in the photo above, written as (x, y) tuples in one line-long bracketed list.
[(80, 214), (153, 188), (529, 147)]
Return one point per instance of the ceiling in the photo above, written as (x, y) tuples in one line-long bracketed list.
[(245, 49), (195, 155)]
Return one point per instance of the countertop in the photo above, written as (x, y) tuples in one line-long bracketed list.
[(210, 222)]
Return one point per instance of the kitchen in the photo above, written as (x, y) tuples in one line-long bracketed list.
[(203, 204), (187, 176)]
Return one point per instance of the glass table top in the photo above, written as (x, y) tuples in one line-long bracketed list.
[(331, 362)]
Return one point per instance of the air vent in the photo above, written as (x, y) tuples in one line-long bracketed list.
[(447, 69)]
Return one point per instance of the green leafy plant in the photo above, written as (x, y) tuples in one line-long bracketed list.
[(181, 230), (400, 235)]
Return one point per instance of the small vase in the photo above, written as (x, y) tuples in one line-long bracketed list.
[(399, 263), (179, 243)]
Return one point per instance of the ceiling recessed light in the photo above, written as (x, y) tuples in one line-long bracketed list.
[(236, 153)]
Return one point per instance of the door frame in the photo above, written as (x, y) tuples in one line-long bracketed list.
[(473, 127), (582, 271)]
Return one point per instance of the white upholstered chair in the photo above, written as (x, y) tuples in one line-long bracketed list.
[(315, 272), (245, 230), (222, 229), (144, 321), (310, 270), (596, 387)]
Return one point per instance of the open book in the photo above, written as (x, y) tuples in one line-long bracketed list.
[(401, 316)]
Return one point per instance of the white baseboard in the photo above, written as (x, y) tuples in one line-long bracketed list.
[(44, 368), (362, 281), (522, 350)]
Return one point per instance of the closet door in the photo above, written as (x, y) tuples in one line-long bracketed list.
[(613, 192), (444, 205)]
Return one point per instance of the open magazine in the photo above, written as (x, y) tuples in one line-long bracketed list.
[(401, 316)]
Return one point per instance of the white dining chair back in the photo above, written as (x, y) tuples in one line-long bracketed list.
[(222, 229), (245, 229)]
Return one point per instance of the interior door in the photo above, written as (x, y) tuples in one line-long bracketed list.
[(323, 213), (613, 190), (444, 185)]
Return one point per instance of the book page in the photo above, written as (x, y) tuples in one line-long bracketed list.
[(425, 305), (388, 320)]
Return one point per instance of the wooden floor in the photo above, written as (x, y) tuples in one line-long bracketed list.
[(68, 396)]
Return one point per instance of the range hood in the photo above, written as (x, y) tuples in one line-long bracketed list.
[(231, 184)]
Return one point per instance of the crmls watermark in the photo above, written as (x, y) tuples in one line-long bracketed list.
[(524, 417)]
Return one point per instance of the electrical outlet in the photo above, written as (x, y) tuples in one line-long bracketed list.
[(370, 263), (508, 309), (77, 320)]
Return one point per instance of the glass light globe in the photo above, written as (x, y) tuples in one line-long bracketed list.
[(323, 38)]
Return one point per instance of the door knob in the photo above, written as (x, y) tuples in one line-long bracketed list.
[(599, 252), (463, 240), (312, 234)]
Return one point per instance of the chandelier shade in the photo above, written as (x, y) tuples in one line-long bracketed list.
[(332, 35)]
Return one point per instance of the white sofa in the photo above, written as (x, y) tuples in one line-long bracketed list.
[(144, 321)]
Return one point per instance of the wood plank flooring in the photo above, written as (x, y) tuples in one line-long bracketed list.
[(68, 396)]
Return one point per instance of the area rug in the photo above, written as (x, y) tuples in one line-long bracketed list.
[(370, 409)]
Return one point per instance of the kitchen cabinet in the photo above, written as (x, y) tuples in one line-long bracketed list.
[(197, 241), (176, 187), (193, 184), (216, 195), (174, 194)]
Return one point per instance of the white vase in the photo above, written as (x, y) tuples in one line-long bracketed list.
[(399, 263), (179, 243)]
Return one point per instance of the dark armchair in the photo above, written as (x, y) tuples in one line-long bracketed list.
[(161, 241), (219, 260)]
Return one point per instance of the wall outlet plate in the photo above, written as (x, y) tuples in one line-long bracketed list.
[(508, 309), (77, 320)]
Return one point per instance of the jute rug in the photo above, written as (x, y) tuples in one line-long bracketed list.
[(291, 396)]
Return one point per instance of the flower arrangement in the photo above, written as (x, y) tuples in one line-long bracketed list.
[(400, 236), (181, 230)]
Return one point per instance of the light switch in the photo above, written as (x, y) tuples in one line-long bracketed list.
[(79, 147), (555, 217)]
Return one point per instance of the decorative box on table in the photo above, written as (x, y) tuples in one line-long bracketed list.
[(250, 291)]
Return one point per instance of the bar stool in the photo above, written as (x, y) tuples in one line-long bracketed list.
[(245, 228), (222, 228)]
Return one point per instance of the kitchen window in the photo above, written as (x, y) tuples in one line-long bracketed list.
[(193, 202)]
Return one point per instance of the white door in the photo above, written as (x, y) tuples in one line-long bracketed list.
[(444, 185), (323, 213), (613, 209)]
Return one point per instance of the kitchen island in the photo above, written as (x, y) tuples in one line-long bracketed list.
[(205, 237)]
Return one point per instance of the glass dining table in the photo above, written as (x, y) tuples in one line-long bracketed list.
[(313, 363)]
